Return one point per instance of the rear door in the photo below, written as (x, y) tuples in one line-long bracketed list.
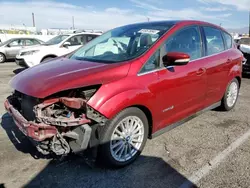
[(183, 88), (218, 64)]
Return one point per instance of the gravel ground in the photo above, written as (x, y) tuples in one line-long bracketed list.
[(169, 160)]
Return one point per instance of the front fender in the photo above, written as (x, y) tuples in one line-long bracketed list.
[(122, 100)]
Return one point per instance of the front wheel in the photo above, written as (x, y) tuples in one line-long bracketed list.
[(123, 138), (2, 58), (231, 95)]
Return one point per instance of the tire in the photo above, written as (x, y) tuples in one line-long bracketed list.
[(106, 155), (2, 58), (46, 59), (230, 97)]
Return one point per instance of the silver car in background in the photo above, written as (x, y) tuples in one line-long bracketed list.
[(10, 48)]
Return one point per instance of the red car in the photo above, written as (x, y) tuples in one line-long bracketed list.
[(132, 83)]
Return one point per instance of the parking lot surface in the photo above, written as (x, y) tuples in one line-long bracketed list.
[(212, 150)]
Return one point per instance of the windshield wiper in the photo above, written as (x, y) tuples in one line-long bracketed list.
[(92, 60)]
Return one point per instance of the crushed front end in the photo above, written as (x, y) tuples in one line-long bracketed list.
[(59, 124)]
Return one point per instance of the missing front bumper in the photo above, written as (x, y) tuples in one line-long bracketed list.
[(49, 138), (36, 131)]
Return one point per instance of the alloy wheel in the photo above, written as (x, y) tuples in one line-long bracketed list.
[(232, 94), (127, 138), (1, 57)]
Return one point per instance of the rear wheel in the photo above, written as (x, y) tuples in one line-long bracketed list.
[(231, 95), (123, 138), (2, 58)]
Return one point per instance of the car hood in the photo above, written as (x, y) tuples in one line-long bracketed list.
[(62, 74)]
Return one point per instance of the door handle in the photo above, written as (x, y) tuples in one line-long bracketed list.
[(201, 71)]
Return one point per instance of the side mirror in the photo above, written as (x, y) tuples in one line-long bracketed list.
[(66, 44), (8, 45), (175, 58)]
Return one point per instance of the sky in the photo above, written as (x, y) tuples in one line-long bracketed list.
[(107, 14)]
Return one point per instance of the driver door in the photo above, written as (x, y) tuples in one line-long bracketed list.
[(183, 88)]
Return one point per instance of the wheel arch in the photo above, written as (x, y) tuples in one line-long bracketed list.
[(133, 101), (239, 80), (149, 116), (49, 55), (3, 55)]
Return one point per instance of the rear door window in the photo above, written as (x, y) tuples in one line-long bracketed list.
[(214, 40), (228, 40), (30, 42)]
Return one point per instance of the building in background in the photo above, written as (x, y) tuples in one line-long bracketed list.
[(17, 29)]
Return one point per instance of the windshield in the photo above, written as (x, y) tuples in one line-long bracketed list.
[(122, 43), (6, 42), (56, 40)]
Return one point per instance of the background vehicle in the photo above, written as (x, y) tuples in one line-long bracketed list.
[(57, 46), (132, 83), (244, 47), (10, 48)]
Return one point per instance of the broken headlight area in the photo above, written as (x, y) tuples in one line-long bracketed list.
[(58, 124)]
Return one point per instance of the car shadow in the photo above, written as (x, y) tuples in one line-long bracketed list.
[(9, 60), (144, 172), (18, 70), (18, 139), (75, 171)]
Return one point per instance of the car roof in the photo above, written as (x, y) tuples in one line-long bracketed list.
[(16, 38), (179, 22), (85, 33)]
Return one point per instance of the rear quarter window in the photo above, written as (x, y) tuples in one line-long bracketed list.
[(228, 40)]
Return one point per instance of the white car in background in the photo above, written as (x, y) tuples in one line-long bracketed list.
[(55, 47)]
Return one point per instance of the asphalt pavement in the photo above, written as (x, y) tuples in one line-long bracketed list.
[(212, 150)]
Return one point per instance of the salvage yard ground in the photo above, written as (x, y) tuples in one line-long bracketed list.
[(212, 150)]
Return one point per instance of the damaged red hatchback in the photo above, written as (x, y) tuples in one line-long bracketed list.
[(132, 83)]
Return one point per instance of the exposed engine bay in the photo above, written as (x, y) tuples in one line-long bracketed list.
[(59, 124)]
